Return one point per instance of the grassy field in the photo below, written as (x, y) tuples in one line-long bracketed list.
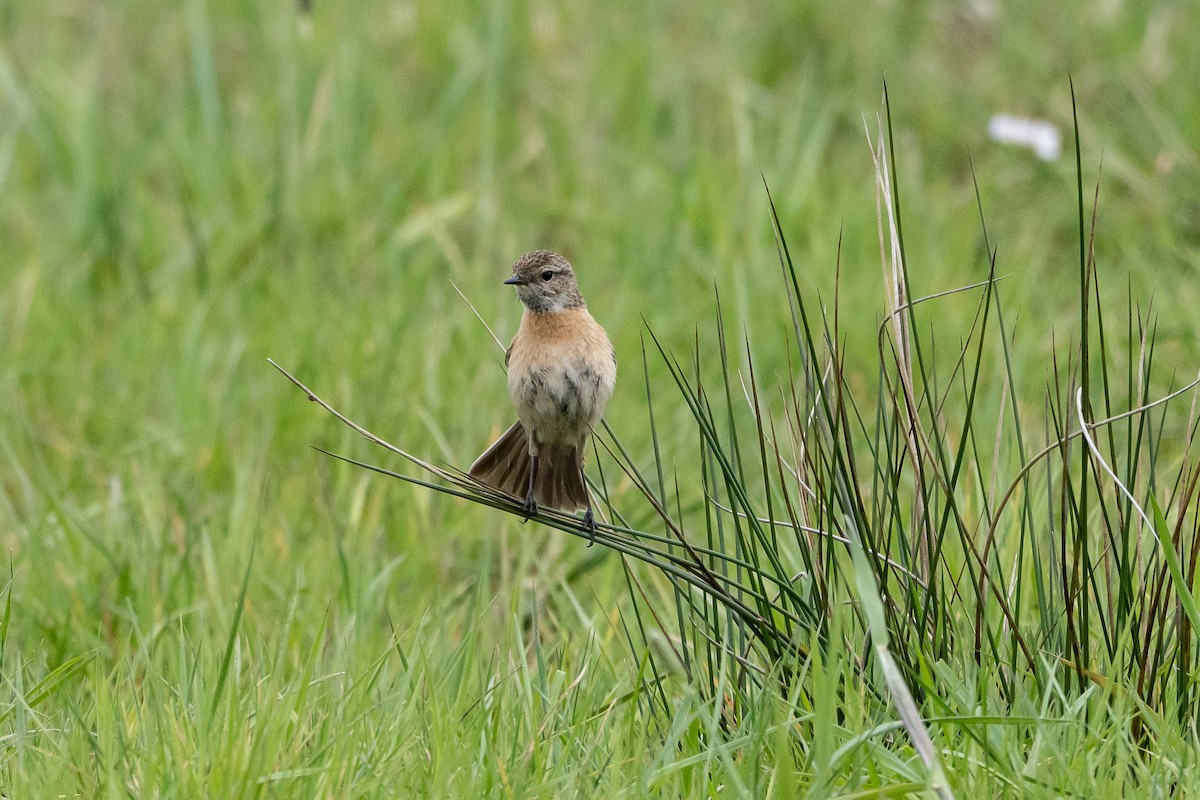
[(200, 605)]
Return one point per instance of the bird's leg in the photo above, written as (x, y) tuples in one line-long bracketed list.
[(589, 519), (531, 506)]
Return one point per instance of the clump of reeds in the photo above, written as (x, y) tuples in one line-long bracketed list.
[(894, 528)]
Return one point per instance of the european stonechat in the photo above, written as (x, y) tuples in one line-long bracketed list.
[(561, 374)]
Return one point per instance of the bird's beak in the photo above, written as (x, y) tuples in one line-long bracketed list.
[(514, 281)]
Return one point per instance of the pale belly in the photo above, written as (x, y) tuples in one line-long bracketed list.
[(560, 400)]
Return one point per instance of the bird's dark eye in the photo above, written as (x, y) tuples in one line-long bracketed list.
[(547, 275)]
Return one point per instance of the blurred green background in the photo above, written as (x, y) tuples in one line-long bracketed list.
[(188, 189)]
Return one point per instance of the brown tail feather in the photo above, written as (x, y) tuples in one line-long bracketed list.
[(505, 465), (559, 481)]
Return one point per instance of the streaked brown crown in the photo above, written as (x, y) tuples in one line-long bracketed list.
[(545, 281)]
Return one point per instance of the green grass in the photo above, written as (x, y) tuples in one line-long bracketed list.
[(198, 604)]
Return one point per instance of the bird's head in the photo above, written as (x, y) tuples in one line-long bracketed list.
[(545, 282)]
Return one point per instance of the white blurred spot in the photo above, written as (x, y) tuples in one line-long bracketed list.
[(1038, 135)]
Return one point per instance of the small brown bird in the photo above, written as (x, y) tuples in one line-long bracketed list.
[(561, 373)]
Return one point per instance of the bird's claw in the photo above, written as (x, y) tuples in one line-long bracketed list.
[(589, 522), (529, 507)]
